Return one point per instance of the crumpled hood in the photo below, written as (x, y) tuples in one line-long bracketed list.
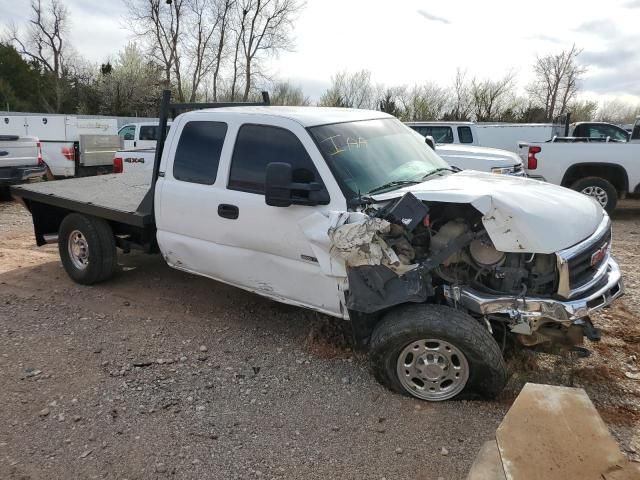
[(519, 214), (477, 157)]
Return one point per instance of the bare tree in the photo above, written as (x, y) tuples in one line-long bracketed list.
[(203, 23), (352, 90), (461, 107), (492, 97), (223, 12), (557, 79), (44, 41), (265, 29), (614, 111), (284, 93), (423, 102), (160, 26)]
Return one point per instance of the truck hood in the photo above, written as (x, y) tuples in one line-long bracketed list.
[(481, 158), (519, 214)]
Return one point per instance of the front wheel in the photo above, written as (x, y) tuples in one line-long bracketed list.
[(436, 353), (600, 189)]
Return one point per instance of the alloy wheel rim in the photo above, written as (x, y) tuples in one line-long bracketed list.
[(432, 369), (598, 193)]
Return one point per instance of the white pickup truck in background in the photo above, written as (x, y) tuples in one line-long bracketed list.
[(71, 146), (606, 171), (507, 136), (141, 135), (20, 161)]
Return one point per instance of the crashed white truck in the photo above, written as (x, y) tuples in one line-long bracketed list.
[(349, 213)]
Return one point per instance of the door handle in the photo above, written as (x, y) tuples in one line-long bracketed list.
[(228, 211)]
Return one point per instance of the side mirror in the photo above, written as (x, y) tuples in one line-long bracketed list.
[(281, 191), (430, 141)]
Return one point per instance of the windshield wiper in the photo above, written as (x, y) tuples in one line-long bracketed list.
[(394, 183), (441, 169)]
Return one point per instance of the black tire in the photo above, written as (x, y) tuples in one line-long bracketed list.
[(601, 183), (102, 256), (412, 322)]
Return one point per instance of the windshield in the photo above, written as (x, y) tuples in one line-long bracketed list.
[(366, 155)]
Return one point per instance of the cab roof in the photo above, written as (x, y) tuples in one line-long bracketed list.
[(305, 116)]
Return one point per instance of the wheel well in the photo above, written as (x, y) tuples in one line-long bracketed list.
[(614, 174)]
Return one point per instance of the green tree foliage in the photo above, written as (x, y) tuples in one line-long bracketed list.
[(20, 82)]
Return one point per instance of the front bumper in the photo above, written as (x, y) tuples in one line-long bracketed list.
[(15, 175), (530, 313)]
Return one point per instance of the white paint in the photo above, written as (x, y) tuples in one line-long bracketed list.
[(519, 214), (555, 159), (481, 159)]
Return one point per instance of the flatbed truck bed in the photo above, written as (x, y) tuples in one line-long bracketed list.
[(123, 200)]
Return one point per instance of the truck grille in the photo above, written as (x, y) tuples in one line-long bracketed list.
[(584, 266)]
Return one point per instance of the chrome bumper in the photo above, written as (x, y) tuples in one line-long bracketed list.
[(530, 313)]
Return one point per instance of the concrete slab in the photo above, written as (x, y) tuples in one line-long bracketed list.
[(488, 464), (555, 433)]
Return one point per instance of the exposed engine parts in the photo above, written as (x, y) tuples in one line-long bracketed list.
[(410, 251)]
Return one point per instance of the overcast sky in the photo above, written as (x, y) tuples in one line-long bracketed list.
[(412, 41)]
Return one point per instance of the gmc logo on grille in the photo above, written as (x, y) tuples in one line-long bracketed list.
[(599, 254)]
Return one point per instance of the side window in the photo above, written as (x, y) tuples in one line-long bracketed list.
[(421, 130), (439, 134), (465, 135), (618, 134), (259, 145), (198, 152), (149, 132), (127, 132)]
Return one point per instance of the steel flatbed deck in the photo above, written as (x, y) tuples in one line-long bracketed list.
[(116, 197)]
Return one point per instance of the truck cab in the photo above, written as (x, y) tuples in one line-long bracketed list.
[(599, 131), (139, 135)]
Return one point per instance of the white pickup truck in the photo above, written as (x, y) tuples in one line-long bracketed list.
[(348, 213), (605, 171), (507, 136), (20, 161), (140, 136)]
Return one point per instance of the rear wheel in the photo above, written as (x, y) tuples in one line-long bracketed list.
[(87, 248), (436, 353), (600, 189)]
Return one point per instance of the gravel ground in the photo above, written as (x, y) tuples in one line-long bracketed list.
[(161, 374)]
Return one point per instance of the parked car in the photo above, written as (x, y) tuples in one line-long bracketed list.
[(71, 146), (348, 213), (20, 161), (605, 171)]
